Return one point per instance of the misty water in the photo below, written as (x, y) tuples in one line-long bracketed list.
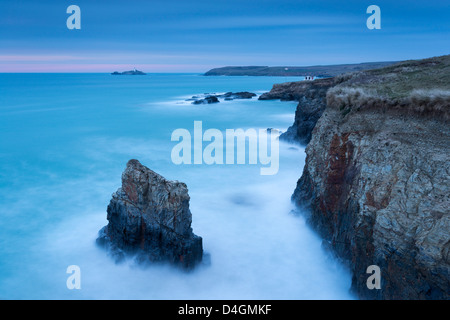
[(64, 142)]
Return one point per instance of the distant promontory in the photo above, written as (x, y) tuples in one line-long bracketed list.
[(375, 184), (317, 71)]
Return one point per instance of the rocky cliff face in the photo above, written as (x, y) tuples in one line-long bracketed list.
[(376, 179), (149, 216), (311, 96)]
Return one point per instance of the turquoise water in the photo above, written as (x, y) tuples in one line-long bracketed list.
[(64, 142)]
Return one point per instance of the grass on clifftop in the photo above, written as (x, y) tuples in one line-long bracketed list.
[(416, 85)]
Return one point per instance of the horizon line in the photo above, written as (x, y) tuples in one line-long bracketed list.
[(169, 68)]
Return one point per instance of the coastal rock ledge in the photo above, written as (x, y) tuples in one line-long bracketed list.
[(376, 180), (149, 217)]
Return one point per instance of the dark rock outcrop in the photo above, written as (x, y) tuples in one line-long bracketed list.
[(149, 216), (376, 179), (129, 73), (237, 95), (214, 98), (207, 100), (377, 188)]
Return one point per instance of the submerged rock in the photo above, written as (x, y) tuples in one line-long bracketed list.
[(377, 188), (149, 216)]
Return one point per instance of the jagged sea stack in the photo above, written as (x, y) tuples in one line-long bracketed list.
[(149, 216)]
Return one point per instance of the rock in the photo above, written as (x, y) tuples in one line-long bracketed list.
[(244, 95), (290, 91), (237, 95), (214, 98), (376, 187), (312, 103), (207, 100), (149, 216), (211, 99)]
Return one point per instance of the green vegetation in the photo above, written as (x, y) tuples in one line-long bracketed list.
[(417, 85)]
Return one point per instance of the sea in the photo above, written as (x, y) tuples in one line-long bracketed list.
[(65, 140)]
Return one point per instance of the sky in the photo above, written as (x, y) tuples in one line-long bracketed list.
[(197, 35)]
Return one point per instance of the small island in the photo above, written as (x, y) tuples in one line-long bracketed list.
[(129, 73)]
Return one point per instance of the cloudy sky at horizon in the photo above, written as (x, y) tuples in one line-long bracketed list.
[(196, 35)]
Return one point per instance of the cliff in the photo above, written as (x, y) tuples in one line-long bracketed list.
[(318, 71), (149, 217), (311, 96), (129, 73), (376, 178)]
